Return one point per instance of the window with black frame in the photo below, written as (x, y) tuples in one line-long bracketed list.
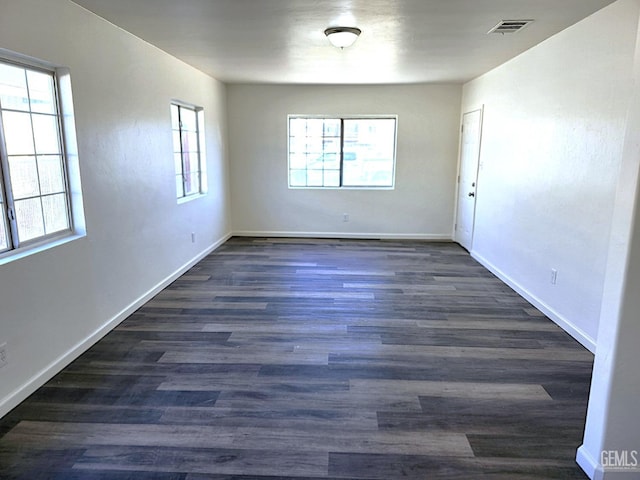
[(188, 149), (357, 152)]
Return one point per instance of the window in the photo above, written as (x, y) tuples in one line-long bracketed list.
[(34, 194), (341, 152), (188, 149)]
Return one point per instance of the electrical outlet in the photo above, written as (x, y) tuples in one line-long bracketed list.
[(554, 276), (345, 217), (193, 237), (3, 355)]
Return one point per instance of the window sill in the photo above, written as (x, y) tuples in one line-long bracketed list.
[(342, 188), (19, 254), (190, 198)]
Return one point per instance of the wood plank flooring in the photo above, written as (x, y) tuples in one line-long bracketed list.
[(315, 359)]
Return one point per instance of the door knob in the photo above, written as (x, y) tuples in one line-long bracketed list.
[(472, 194)]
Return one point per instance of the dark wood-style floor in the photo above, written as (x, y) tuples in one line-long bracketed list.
[(315, 359)]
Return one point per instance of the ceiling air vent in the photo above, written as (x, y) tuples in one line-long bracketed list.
[(510, 26)]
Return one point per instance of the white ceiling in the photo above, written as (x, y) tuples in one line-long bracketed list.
[(282, 41)]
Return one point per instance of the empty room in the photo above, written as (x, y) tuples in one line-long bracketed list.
[(319, 239)]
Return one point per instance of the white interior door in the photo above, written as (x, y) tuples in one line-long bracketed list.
[(468, 179)]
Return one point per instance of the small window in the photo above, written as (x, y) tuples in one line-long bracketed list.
[(342, 152), (34, 193), (188, 149)]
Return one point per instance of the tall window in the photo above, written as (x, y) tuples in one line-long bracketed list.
[(341, 152), (188, 149), (34, 198)]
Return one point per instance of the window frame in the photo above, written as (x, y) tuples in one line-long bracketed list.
[(65, 129), (342, 119), (201, 154)]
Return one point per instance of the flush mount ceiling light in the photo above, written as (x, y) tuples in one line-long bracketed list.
[(342, 37)]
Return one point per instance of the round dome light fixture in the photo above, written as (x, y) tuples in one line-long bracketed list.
[(342, 37)]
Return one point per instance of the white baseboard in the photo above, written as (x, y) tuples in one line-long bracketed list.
[(14, 399), (587, 463), (363, 236), (596, 471), (576, 332)]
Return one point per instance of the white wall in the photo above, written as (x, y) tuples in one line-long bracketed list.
[(422, 203), (552, 145), (612, 421), (53, 302)]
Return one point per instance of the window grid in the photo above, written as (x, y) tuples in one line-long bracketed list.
[(187, 150), (356, 152), (33, 183)]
